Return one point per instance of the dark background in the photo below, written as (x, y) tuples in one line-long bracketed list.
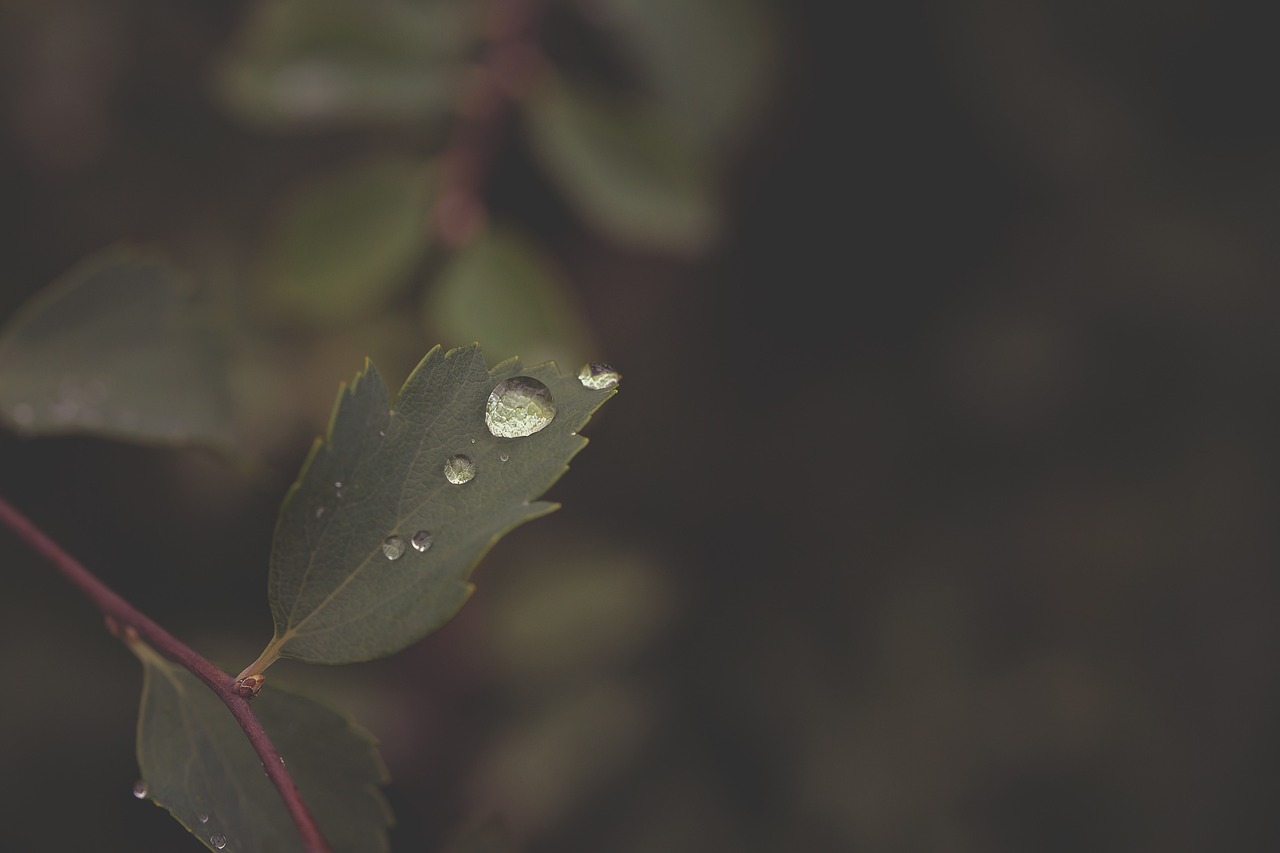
[(943, 483)]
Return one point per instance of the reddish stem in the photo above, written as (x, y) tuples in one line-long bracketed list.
[(510, 59), (124, 619)]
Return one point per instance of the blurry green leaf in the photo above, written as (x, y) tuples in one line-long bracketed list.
[(563, 749), (197, 763), (330, 62), (535, 622), (503, 289), (376, 540), (489, 837), (120, 347), (345, 244), (711, 64), (624, 166)]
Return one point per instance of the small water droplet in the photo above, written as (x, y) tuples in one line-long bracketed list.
[(319, 511), (503, 457), (393, 549), (202, 817), (218, 841), (473, 441), (382, 433), (421, 540), (518, 407), (140, 789), (282, 759), (598, 376), (459, 469)]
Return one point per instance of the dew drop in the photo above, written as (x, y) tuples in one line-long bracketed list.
[(459, 469), (421, 540), (393, 547), (218, 841), (202, 817), (518, 407), (503, 457), (319, 511), (339, 489), (140, 789), (598, 376)]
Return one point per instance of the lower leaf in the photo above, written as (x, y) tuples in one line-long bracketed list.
[(197, 763)]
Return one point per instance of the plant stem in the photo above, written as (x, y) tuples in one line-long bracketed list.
[(126, 620), (505, 71)]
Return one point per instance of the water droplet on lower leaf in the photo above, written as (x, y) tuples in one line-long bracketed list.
[(598, 376), (421, 540), (202, 817), (503, 457), (518, 407), (140, 789), (218, 841), (459, 469), (393, 547)]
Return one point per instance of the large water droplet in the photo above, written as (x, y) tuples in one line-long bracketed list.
[(459, 469), (218, 841), (393, 547), (421, 540), (140, 789), (518, 407), (598, 376)]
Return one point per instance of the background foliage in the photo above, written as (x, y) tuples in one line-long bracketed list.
[(937, 508)]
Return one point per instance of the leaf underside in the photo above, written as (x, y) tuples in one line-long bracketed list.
[(117, 347), (197, 764), (335, 595)]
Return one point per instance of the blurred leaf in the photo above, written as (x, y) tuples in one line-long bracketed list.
[(120, 347), (563, 751), (489, 837), (624, 166), (536, 620), (711, 64), (503, 289), (392, 510), (332, 62), (345, 244), (197, 763)]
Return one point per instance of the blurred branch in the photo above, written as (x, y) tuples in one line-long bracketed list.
[(131, 624), (510, 58)]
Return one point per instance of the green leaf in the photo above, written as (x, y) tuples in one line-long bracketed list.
[(335, 595), (119, 346), (325, 63), (197, 763), (627, 169), (345, 244), (503, 289), (710, 64)]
